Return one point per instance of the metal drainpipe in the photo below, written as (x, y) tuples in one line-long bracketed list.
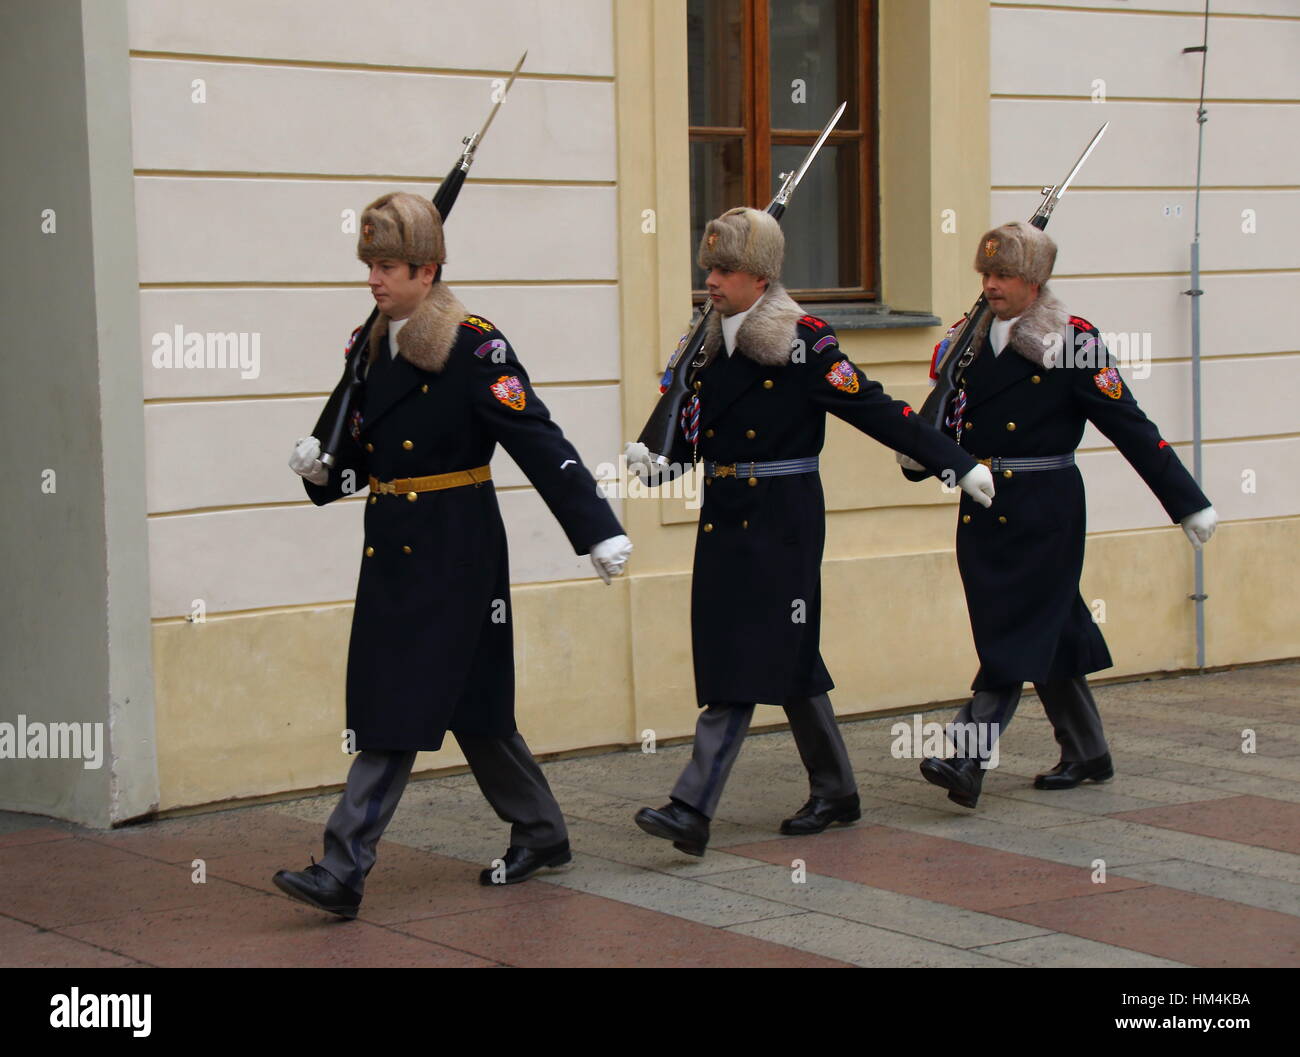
[(1195, 293)]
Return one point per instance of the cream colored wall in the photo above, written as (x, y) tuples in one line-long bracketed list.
[(251, 703)]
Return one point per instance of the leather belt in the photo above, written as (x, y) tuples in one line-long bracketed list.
[(775, 468), (1029, 463), (435, 483)]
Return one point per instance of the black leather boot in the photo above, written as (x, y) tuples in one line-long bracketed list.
[(680, 823), (962, 777), (522, 863), (1067, 775), (317, 887), (820, 812)]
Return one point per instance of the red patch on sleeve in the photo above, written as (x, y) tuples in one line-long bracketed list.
[(812, 321), (907, 411), (1162, 444)]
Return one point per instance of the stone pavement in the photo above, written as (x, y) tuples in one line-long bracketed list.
[(1200, 844)]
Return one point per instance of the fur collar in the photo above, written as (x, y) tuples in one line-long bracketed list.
[(1036, 334), (429, 334), (767, 335)]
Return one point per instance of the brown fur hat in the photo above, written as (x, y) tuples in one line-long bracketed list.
[(401, 227), (744, 240), (1018, 249)]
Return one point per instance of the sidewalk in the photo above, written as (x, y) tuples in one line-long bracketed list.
[(1200, 843)]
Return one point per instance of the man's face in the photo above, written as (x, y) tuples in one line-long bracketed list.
[(397, 293), (733, 292), (1008, 295)]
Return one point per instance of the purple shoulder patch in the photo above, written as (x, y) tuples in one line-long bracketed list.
[(490, 346)]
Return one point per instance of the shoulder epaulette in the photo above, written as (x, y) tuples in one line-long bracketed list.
[(1079, 323), (477, 323)]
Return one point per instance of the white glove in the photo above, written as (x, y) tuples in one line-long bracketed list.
[(638, 460), (907, 462), (1200, 526), (609, 556), (978, 484), (305, 461)]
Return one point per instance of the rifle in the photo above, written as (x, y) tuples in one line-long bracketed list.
[(961, 350), (657, 435), (444, 198)]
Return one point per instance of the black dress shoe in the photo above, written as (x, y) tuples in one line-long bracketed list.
[(687, 828), (1067, 775), (820, 812), (317, 887), (962, 777), (522, 863)]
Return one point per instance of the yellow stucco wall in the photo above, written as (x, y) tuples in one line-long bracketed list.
[(251, 704)]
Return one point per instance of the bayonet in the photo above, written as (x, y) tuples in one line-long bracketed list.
[(1052, 195)]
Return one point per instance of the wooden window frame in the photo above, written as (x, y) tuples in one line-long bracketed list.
[(758, 136)]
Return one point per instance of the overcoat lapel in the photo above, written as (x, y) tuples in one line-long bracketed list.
[(724, 383), (989, 375)]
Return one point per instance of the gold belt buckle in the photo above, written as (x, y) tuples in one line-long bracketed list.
[(725, 471), (986, 462), (385, 487)]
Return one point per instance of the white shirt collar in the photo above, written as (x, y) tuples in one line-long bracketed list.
[(999, 332), (394, 328), (731, 324)]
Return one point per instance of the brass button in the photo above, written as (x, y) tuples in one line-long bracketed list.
[(424, 388), (965, 519), (411, 497), (1002, 520), (1036, 379), (708, 527), (967, 425), (1006, 473), (767, 383), (744, 524), (370, 447), (750, 434), (370, 552), (407, 445), (374, 498), (1011, 427), (753, 481), (708, 432), (406, 550), (708, 480), (699, 386)]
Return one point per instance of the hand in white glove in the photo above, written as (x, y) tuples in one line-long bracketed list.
[(1200, 526), (907, 462), (609, 556), (638, 461), (978, 484), (305, 461)]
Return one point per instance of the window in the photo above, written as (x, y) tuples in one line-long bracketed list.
[(764, 77)]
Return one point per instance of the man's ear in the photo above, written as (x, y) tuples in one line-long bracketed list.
[(763, 284), (430, 272)]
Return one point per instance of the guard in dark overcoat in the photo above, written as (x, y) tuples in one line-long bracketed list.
[(432, 643), (757, 421), (1038, 377)]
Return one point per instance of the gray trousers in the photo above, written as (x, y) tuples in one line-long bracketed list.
[(505, 771), (721, 729), (1069, 706)]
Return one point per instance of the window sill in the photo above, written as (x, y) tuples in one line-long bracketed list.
[(869, 316)]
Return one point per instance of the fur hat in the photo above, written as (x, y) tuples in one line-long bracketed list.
[(1018, 249), (401, 227), (744, 240)]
